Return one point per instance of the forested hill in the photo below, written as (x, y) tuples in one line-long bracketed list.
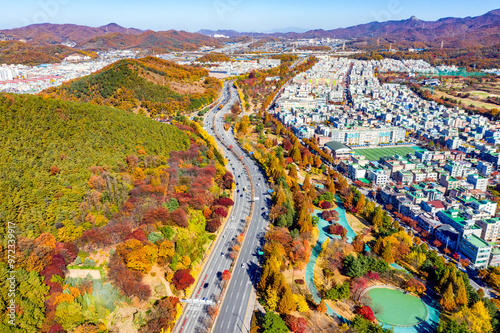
[(14, 52), (50, 149), (148, 85)]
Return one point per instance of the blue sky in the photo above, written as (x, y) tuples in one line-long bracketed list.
[(241, 15)]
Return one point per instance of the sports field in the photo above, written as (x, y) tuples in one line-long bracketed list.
[(374, 154)]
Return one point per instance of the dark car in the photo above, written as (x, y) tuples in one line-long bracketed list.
[(205, 285)]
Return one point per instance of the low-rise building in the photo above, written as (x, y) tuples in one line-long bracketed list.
[(447, 235), (495, 257), (378, 177), (476, 250), (490, 229), (479, 182), (338, 150), (404, 177), (484, 168)]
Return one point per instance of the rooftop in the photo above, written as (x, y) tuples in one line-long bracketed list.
[(436, 204), (335, 145), (477, 242)]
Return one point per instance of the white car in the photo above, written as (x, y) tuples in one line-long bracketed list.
[(243, 265)]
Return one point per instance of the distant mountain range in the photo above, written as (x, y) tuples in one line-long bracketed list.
[(111, 36), (233, 33), (483, 30)]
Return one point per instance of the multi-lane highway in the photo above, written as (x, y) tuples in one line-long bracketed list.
[(233, 305)]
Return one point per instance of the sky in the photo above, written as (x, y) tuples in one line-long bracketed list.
[(240, 15)]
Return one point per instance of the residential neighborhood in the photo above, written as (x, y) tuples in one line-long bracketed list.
[(386, 138)]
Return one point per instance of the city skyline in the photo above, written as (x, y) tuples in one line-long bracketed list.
[(255, 16)]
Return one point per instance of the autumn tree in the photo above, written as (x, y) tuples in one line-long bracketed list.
[(296, 324), (348, 200), (287, 302), (301, 302), (213, 311), (358, 244), (162, 316), (366, 312), (447, 300), (360, 205), (182, 279), (387, 253), (306, 186), (280, 196), (461, 294), (322, 307), (226, 275), (305, 220), (477, 318)]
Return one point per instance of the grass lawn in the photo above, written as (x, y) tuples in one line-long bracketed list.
[(468, 101), (374, 154)]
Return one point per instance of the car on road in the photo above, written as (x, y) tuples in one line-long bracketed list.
[(243, 265), (222, 253), (205, 285), (204, 299)]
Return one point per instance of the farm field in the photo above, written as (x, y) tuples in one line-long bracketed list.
[(374, 154)]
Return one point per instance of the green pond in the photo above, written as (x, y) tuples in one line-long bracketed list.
[(395, 307)]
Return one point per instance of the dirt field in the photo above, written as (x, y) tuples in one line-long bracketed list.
[(82, 273), (358, 224)]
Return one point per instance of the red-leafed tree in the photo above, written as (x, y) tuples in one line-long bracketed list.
[(68, 251), (213, 224), (325, 205), (372, 275), (335, 229), (182, 279), (128, 281), (138, 234), (158, 214), (54, 170), (162, 315), (226, 202), (296, 324), (56, 328), (415, 286), (221, 211), (179, 217), (366, 312), (226, 275), (330, 215)]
